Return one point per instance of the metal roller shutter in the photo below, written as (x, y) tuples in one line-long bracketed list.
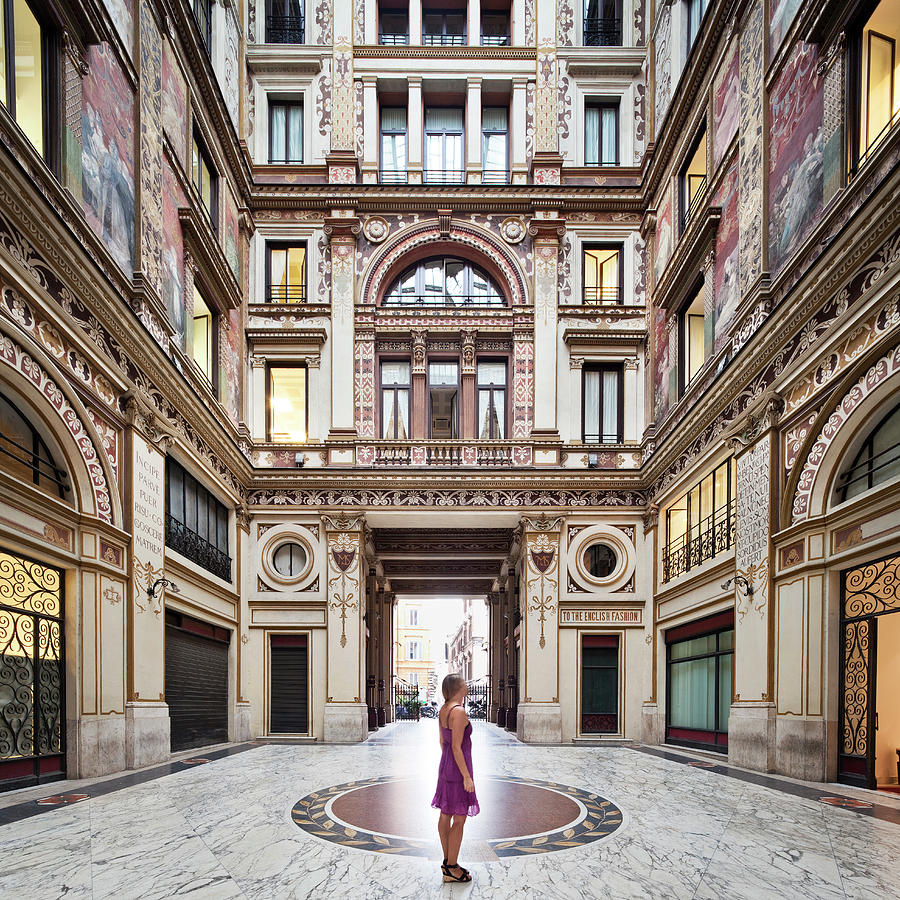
[(196, 682), (289, 684)]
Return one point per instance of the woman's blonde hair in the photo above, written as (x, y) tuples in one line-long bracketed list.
[(452, 684)]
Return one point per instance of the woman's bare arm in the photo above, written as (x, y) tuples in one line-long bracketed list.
[(458, 722)]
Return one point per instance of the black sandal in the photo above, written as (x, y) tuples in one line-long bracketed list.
[(444, 868), (464, 878)]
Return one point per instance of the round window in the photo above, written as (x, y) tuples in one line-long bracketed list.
[(600, 560), (289, 559)]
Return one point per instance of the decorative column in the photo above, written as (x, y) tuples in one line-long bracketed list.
[(708, 268), (751, 724), (418, 427), (539, 719), (518, 131), (372, 648), (415, 23), (345, 713), (473, 126), (383, 665), (341, 161), (371, 129), (245, 581), (342, 233), (547, 163), (474, 23), (147, 736), (470, 423), (390, 600), (513, 642), (495, 619), (415, 122), (546, 234), (632, 425)]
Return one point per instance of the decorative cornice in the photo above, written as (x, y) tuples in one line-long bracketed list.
[(377, 51), (206, 254), (690, 254)]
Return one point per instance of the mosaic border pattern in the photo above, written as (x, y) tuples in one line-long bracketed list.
[(603, 819)]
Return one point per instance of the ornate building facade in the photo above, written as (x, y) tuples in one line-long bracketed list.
[(307, 306)]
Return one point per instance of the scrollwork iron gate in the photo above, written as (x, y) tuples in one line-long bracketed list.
[(867, 593), (32, 687)]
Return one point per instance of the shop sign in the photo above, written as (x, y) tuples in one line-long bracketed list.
[(582, 616)]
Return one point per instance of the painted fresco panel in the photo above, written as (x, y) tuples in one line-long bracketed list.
[(122, 14), (174, 102), (796, 154), (231, 66), (663, 64), (661, 365), (173, 249), (782, 17), (231, 238), (727, 287), (107, 159), (663, 236), (726, 106), (230, 364)]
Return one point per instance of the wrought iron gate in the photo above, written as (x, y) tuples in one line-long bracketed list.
[(32, 696), (478, 699), (406, 701), (867, 593)]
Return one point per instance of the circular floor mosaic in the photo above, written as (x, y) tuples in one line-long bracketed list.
[(519, 816)]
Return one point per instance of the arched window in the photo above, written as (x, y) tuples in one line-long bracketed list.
[(25, 455), (444, 281), (877, 461)]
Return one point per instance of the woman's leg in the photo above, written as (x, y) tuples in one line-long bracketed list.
[(455, 839), (444, 832)]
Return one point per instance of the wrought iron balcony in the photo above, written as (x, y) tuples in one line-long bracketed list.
[(285, 293), (443, 40), (450, 300), (602, 32), (601, 295), (285, 30), (393, 40), (444, 454), (393, 176), (494, 40), (444, 176), (197, 549), (696, 188), (710, 537), (495, 176)]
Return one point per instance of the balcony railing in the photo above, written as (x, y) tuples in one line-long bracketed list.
[(495, 176), (696, 185), (443, 40), (592, 296), (393, 176), (597, 439), (495, 40), (875, 142), (602, 32), (286, 293), (445, 176), (284, 30), (197, 549), (393, 40), (444, 454), (711, 536), (451, 300)]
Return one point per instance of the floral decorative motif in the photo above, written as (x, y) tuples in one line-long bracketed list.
[(512, 229), (343, 577), (376, 229)]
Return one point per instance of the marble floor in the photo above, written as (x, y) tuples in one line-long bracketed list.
[(224, 828)]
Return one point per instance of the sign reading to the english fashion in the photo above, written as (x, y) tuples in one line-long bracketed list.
[(582, 616)]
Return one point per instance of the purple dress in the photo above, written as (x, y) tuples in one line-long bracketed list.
[(450, 797)]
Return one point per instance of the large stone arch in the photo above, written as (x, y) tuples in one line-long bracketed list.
[(811, 482), (461, 239), (30, 373)]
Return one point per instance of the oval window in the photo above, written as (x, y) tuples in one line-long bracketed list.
[(600, 560), (289, 559)]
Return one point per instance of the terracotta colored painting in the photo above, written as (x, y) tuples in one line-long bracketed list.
[(174, 103), (231, 234), (107, 158), (663, 236), (783, 13), (661, 365), (122, 14), (231, 365), (796, 153), (727, 286), (173, 249), (727, 106)]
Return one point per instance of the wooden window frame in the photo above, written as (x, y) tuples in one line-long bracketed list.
[(615, 106), (479, 387), (683, 381), (620, 249), (285, 364), (601, 367), (443, 358), (215, 324), (286, 245), (212, 213), (395, 387), (292, 103)]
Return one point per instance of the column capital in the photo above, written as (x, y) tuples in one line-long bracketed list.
[(344, 228), (547, 229)]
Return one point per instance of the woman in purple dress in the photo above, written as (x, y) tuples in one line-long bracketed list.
[(455, 794)]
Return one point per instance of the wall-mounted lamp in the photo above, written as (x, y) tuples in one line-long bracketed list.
[(740, 581), (162, 583)]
